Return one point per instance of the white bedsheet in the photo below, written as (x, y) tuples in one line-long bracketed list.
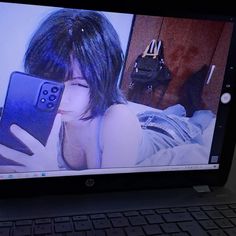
[(186, 154)]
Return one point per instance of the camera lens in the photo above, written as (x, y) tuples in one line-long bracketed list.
[(52, 97), (50, 105), (43, 100), (54, 89)]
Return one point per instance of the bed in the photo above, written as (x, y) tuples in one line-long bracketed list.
[(187, 154)]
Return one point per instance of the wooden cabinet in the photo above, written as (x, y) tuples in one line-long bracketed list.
[(188, 45)]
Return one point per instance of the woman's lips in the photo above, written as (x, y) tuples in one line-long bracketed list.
[(62, 112)]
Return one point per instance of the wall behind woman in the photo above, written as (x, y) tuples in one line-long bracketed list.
[(18, 22), (188, 45)]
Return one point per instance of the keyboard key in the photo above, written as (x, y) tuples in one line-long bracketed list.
[(217, 232), (131, 213), (96, 233), (78, 218), (5, 231), (120, 222), (152, 229), (22, 231), (63, 227), (162, 211), (24, 222), (233, 220), (43, 229), (170, 228), (228, 213), (214, 214), (114, 215), (6, 224), (177, 217), (195, 208), (208, 208), (115, 232), (74, 234), (147, 212), (178, 210), (193, 228), (134, 231), (82, 225), (137, 220), (61, 219), (208, 224), (231, 232), (221, 207), (232, 205), (97, 216), (101, 224), (224, 223), (154, 219), (43, 221), (180, 234), (199, 215)]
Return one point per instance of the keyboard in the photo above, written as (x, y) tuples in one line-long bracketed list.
[(213, 220)]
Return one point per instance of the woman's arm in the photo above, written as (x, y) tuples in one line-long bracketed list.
[(44, 158), (120, 137)]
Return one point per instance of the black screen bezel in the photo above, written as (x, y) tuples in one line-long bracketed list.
[(153, 180)]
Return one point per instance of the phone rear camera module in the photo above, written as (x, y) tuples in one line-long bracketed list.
[(50, 105), (52, 97), (45, 92), (54, 89), (49, 96), (43, 100)]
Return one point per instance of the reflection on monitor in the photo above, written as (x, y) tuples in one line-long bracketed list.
[(125, 93)]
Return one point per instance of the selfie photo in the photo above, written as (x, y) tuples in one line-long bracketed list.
[(87, 90)]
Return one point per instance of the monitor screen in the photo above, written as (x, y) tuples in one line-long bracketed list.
[(95, 92)]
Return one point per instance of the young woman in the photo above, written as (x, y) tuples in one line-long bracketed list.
[(95, 127), (81, 49)]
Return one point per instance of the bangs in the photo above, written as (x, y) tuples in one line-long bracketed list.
[(48, 56), (87, 37)]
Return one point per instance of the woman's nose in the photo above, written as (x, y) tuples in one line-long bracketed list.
[(63, 99)]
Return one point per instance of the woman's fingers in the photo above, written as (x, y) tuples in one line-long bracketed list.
[(12, 154), (26, 138), (54, 134), (42, 158), (6, 169), (11, 169), (32, 142)]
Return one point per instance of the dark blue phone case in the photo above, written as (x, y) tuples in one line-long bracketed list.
[(32, 104)]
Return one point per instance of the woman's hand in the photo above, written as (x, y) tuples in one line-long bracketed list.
[(44, 158)]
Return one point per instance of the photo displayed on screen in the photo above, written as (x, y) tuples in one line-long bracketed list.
[(85, 90)]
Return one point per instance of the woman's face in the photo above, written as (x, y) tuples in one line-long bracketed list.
[(75, 98)]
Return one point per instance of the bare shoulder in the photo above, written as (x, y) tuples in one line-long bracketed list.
[(120, 113), (121, 119), (120, 137)]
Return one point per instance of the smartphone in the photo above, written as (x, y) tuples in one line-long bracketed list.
[(31, 103)]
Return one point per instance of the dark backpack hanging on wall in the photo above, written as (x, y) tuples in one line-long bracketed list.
[(149, 72)]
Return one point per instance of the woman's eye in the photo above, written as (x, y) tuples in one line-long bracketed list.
[(79, 84)]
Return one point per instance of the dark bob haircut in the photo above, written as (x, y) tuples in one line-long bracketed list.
[(87, 36)]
